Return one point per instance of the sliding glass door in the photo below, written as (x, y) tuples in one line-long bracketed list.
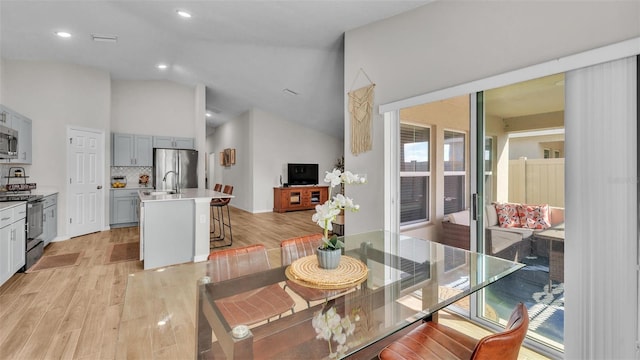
[(519, 201)]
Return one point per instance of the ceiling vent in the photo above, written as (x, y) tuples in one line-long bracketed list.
[(290, 92), (104, 38)]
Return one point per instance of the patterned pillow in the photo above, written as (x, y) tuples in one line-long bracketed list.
[(535, 217), (508, 215)]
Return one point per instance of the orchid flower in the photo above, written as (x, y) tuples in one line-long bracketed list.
[(327, 212), (330, 326)]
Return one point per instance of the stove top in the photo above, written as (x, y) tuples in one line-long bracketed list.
[(19, 197)]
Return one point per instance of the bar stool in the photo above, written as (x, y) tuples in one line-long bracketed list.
[(217, 217), (217, 187)]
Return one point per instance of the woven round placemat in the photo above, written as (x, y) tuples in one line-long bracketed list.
[(306, 271)]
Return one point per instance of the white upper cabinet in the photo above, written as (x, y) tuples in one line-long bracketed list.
[(24, 126)]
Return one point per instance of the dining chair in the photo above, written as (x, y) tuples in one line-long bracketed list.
[(252, 306), (431, 340), (298, 247), (217, 218), (217, 187)]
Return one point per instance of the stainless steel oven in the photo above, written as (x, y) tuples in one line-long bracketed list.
[(35, 245)]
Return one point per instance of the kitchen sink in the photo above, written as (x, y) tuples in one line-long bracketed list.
[(164, 192)]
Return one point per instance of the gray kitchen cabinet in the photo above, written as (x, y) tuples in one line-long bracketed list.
[(12, 241), (124, 207), (131, 150), (24, 126), (50, 218), (6, 116), (169, 142)]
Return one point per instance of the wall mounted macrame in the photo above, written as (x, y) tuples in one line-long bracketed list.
[(361, 108)]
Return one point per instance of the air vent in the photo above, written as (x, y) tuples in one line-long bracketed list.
[(104, 38), (290, 92)]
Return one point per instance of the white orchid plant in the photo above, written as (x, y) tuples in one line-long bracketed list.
[(330, 326), (327, 212)]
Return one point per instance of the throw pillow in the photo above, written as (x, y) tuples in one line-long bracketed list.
[(535, 217), (508, 215), (491, 215)]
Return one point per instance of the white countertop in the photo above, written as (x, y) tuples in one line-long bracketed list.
[(45, 191), (134, 187), (185, 194)]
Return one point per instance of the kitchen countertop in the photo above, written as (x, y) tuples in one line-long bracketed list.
[(45, 191), (185, 194), (134, 187)]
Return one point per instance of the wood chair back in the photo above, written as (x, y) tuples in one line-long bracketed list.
[(298, 247), (232, 263)]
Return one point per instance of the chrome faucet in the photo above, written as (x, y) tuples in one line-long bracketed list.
[(164, 179)]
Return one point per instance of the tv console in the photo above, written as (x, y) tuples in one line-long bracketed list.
[(298, 197)]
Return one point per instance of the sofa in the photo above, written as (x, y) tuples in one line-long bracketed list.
[(504, 237)]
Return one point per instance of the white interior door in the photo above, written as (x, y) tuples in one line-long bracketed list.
[(85, 159)]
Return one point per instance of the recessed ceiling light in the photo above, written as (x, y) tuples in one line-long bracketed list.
[(63, 34), (162, 66), (207, 114), (183, 13)]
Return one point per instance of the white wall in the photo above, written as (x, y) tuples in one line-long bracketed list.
[(235, 135), (264, 145), (159, 107), (445, 43), (153, 108), (54, 95), (532, 147), (277, 142)]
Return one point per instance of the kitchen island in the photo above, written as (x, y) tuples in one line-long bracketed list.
[(174, 227)]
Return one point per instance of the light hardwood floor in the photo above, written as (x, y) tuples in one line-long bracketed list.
[(75, 312)]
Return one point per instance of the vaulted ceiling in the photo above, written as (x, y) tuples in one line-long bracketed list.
[(246, 53)]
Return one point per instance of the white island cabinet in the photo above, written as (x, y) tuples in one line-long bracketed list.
[(174, 228)]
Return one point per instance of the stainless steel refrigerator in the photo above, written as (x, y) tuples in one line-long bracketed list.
[(183, 163)]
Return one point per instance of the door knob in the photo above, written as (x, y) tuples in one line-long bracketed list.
[(99, 187)]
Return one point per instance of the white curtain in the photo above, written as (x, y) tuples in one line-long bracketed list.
[(601, 245)]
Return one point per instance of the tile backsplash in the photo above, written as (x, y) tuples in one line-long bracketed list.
[(132, 173)]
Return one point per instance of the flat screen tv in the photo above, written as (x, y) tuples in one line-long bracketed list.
[(302, 174)]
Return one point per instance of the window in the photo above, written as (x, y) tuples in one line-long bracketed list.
[(546, 153), (414, 173), (454, 172)]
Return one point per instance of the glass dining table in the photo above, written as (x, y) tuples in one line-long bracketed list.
[(175, 311)]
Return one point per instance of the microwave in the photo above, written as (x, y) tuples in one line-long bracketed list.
[(8, 143)]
